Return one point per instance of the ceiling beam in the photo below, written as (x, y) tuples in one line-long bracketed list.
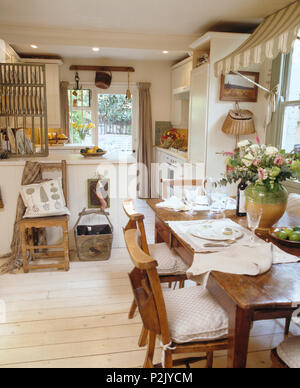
[(102, 68)]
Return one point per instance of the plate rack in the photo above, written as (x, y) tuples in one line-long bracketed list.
[(23, 110)]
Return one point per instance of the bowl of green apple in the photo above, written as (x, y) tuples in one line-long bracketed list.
[(289, 235)]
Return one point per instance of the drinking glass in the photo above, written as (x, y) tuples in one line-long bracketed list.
[(209, 188), (216, 196), (253, 218), (191, 199)]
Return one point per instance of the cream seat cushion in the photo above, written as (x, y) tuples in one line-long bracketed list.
[(293, 205), (194, 315), (168, 261), (289, 352)]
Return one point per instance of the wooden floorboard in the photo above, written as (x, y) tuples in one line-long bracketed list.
[(79, 319)]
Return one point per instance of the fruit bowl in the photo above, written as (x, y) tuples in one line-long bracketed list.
[(92, 152), (286, 235)]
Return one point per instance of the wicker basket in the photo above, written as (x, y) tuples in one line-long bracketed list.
[(239, 123), (93, 242)]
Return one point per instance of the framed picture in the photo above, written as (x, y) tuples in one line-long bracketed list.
[(93, 200), (236, 88)]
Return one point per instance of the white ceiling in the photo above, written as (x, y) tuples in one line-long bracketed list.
[(119, 25)]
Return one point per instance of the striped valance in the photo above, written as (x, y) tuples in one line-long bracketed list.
[(276, 34)]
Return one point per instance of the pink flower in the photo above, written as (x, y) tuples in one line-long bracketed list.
[(256, 162), (279, 160), (257, 140), (262, 174)]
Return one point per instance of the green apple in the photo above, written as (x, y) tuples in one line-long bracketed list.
[(295, 236), (282, 234), (289, 231)]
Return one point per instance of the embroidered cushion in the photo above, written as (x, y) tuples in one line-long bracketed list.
[(289, 352), (293, 205), (44, 199), (193, 315), (168, 261)]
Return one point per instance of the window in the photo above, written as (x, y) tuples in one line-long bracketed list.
[(115, 122), (290, 108), (285, 129), (105, 118), (81, 116)]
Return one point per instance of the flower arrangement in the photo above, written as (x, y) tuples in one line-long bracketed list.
[(172, 138), (82, 130), (261, 165)]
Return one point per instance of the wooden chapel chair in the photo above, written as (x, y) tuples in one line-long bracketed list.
[(187, 320), (29, 229), (171, 267)]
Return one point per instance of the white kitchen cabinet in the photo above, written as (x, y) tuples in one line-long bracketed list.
[(180, 74), (53, 95), (198, 113)]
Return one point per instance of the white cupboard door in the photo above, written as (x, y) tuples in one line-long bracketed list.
[(53, 95), (176, 111), (198, 113)]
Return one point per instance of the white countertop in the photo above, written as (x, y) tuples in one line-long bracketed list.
[(76, 159), (175, 153)]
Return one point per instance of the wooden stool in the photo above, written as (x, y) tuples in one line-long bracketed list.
[(29, 232), (28, 245)]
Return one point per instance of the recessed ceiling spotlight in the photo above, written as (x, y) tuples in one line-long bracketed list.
[(96, 49), (165, 52), (34, 46)]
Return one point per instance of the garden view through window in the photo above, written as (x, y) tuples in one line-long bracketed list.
[(106, 122), (114, 122)]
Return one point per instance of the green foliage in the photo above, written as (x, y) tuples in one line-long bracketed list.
[(114, 109), (261, 165)]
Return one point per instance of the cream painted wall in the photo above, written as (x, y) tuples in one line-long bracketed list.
[(2, 51), (156, 72), (217, 141), (122, 185)]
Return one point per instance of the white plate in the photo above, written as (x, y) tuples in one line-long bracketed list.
[(20, 141), (216, 232), (11, 139)]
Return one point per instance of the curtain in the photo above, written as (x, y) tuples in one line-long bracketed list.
[(145, 148), (64, 108)]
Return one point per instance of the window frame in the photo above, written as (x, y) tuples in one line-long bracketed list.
[(115, 88), (80, 108), (281, 75)]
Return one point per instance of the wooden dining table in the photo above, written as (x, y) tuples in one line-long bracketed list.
[(272, 295)]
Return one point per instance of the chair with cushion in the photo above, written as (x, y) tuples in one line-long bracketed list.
[(287, 354), (186, 320), (171, 268), (293, 210), (293, 205), (49, 210), (169, 186)]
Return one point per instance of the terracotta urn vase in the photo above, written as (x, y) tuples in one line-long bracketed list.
[(272, 203)]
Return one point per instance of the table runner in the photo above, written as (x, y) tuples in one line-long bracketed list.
[(178, 204), (243, 257)]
